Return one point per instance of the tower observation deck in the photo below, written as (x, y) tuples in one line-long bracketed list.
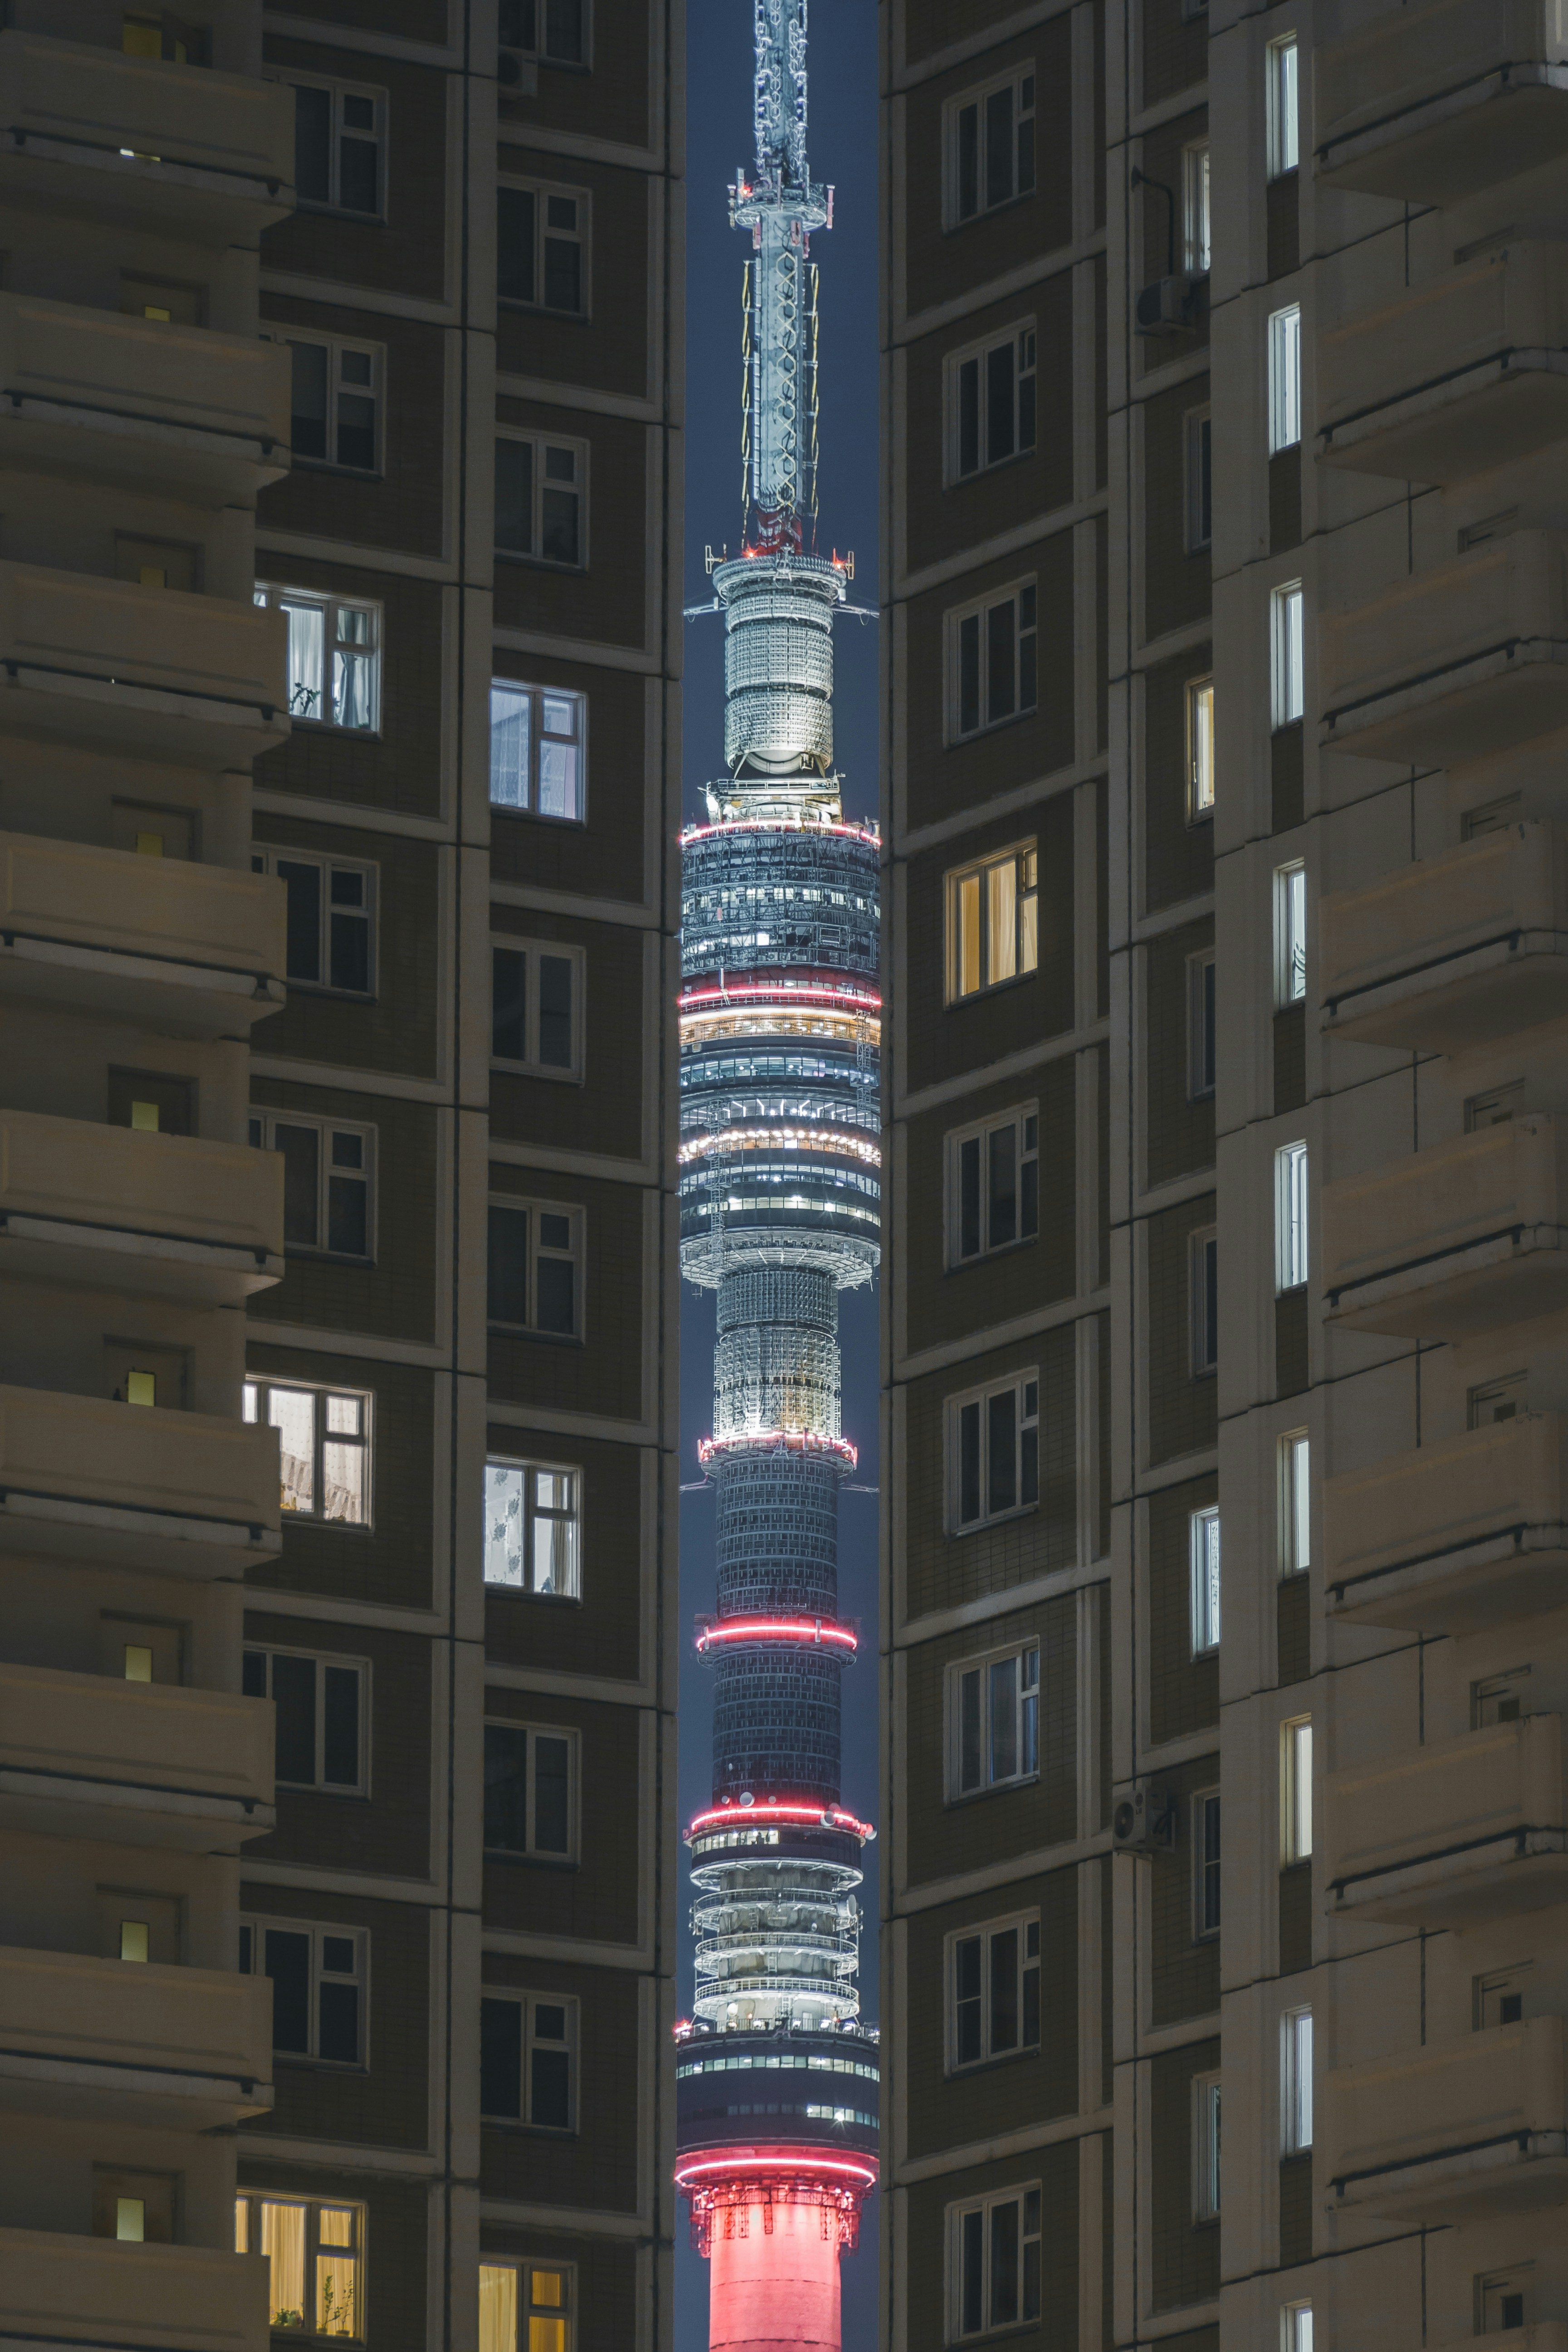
[(780, 1210)]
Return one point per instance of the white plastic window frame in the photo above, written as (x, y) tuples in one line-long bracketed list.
[(1024, 1659), (356, 655), (1289, 934), (269, 857), (263, 1123), (332, 207), (542, 482), (1282, 108), (1295, 2081), (531, 1512), (247, 2238), (1295, 2327), (321, 1660), (1022, 1386), (1202, 1040), (1023, 596), (255, 1923), (538, 49), (1292, 1211), (1027, 2280), (1197, 451), (530, 2001), (1206, 2158), (1294, 1454), (1026, 1926), (1021, 339), (1202, 1301), (563, 952), (361, 1441), (519, 2306), (1204, 1581), (581, 235), (572, 1253), (1202, 783), (1025, 86), (1296, 1790), (1197, 217), (1284, 338), (373, 389), (538, 736), (991, 967), (1206, 1884), (1026, 1154), (1287, 654), (532, 1851)]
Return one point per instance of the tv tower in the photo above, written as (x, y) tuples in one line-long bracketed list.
[(780, 1210)]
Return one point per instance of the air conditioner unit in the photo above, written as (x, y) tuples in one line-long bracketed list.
[(1164, 308), (1144, 1821)]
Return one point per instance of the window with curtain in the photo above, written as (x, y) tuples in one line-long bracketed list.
[(532, 1528), (313, 2251), (993, 922)]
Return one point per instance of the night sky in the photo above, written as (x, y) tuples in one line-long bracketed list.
[(842, 59)]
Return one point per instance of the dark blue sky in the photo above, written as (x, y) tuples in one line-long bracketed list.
[(842, 59)]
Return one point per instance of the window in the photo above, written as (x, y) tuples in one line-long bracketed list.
[(1206, 1865), (1498, 1698), (330, 923), (323, 1437), (165, 36), (1503, 2299), (1203, 1568), (1498, 1998), (1296, 1790), (534, 1281), (537, 749), (535, 992), (1198, 444), (1493, 1108), (336, 403), (1504, 1399), (313, 2252), (318, 1986), (994, 1186), (1203, 1301), (334, 658), (990, 402), (556, 33), (993, 2263), (991, 662), (1295, 1504), (1288, 675), (1289, 934), (328, 1173), (339, 137), (526, 2307), (1195, 208), (321, 1718), (1291, 1216), (527, 2045), (994, 1981), (1200, 748), (994, 1715), (1295, 2328), (1205, 2147), (531, 1520), (990, 147), (992, 930), (1283, 113), (1296, 2081), (529, 1783), (539, 490), (1201, 1039), (542, 247), (994, 1440), (1284, 379)]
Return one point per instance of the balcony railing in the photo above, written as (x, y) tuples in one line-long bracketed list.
[(1454, 2131), (1452, 951), (1466, 660), (1430, 103), (1461, 1238), (138, 2040), (1453, 1536), (57, 2288), (1445, 1835), (1453, 378)]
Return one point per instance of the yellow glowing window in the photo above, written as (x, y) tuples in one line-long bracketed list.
[(133, 1940), (141, 37), (1200, 747), (144, 1114), (138, 1663), (130, 2218), (149, 844), (993, 922), (313, 2254), (141, 1388), (153, 575)]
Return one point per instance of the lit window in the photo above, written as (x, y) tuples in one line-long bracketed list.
[(330, 934), (339, 135), (312, 2249), (538, 735), (334, 658), (994, 1719), (1198, 439), (165, 36), (1205, 2147), (1295, 1504), (540, 491), (336, 403), (1203, 1553), (527, 2048), (556, 33), (535, 1267), (1203, 1301), (1296, 2081), (992, 927), (1291, 1216), (1295, 2328), (536, 993), (1206, 1865), (321, 1718), (1289, 934), (994, 1979), (1287, 654), (1284, 379), (1200, 748), (531, 1528), (1296, 1790), (1195, 208), (529, 1782), (995, 1444), (993, 1187), (328, 1174), (1283, 133), (990, 147), (318, 1986), (323, 1437), (525, 2306), (993, 2261), (990, 402), (991, 663), (542, 247), (1201, 1040)]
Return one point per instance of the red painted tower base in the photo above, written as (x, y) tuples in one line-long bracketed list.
[(773, 2242)]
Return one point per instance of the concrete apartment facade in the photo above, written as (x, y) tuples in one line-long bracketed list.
[(1222, 511), (341, 641)]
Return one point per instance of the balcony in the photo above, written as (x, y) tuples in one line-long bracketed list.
[(135, 1763), (140, 403), (1452, 951), (133, 2041), (176, 150), (1451, 1538), (1466, 660), (135, 1485), (154, 672), (1454, 378), (193, 950), (1454, 2131), (1458, 1239), (1433, 102), (1447, 1835), (55, 2288)]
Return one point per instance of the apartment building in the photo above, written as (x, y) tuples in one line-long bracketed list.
[(341, 596), (1223, 493)]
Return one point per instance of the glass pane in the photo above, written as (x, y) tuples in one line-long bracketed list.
[(497, 2307), (1003, 1991), (307, 659), (511, 710), (301, 1149), (971, 2317), (506, 1788), (307, 429), (344, 1416), (967, 960), (336, 2301), (558, 531), (292, 1414), (1001, 1447), (514, 244), (551, 1823), (999, 409), (968, 1465), (354, 690), (549, 2288), (1004, 1719), (503, 1523), (968, 673), (1003, 1143), (999, 146), (1003, 2263), (1002, 920), (345, 1478), (558, 772), (554, 1556), (969, 1729), (546, 2335), (558, 716), (287, 1959), (969, 1197), (556, 1011), (1001, 685), (283, 2250)]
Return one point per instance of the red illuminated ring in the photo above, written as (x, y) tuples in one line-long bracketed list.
[(751, 2163), (809, 1632), (768, 1812)]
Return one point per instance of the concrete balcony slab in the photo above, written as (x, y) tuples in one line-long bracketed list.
[(1449, 1834), (1451, 952), (1454, 2131), (137, 1763), (56, 2288), (133, 2041), (1450, 1537), (1430, 103), (136, 1485)]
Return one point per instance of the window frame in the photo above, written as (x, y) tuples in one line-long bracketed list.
[(1026, 2197), (1018, 1120), (337, 91), (1203, 1302), (1203, 1042), (1207, 1884), (527, 183), (1295, 2328), (1026, 1704), (335, 347), (568, 1857), (1204, 1603), (538, 1252), (538, 736), (1024, 1926), (1207, 2123), (569, 1073), (1022, 339), (1197, 480), (530, 1999), (540, 442), (1289, 934), (1023, 596), (1287, 654), (367, 655), (1296, 1823), (522, 2269), (540, 55), (1282, 106), (267, 1117), (1296, 2081), (256, 1382), (321, 1660), (247, 2200), (252, 1962), (532, 1511), (1283, 340), (1203, 787), (1197, 210), (1294, 1488), (1023, 857), (1022, 79), (266, 857), (1292, 1217), (1019, 1385)]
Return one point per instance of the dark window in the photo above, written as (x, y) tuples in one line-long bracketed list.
[(317, 1707), (506, 1788), (501, 2059), (516, 231), (287, 1956)]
